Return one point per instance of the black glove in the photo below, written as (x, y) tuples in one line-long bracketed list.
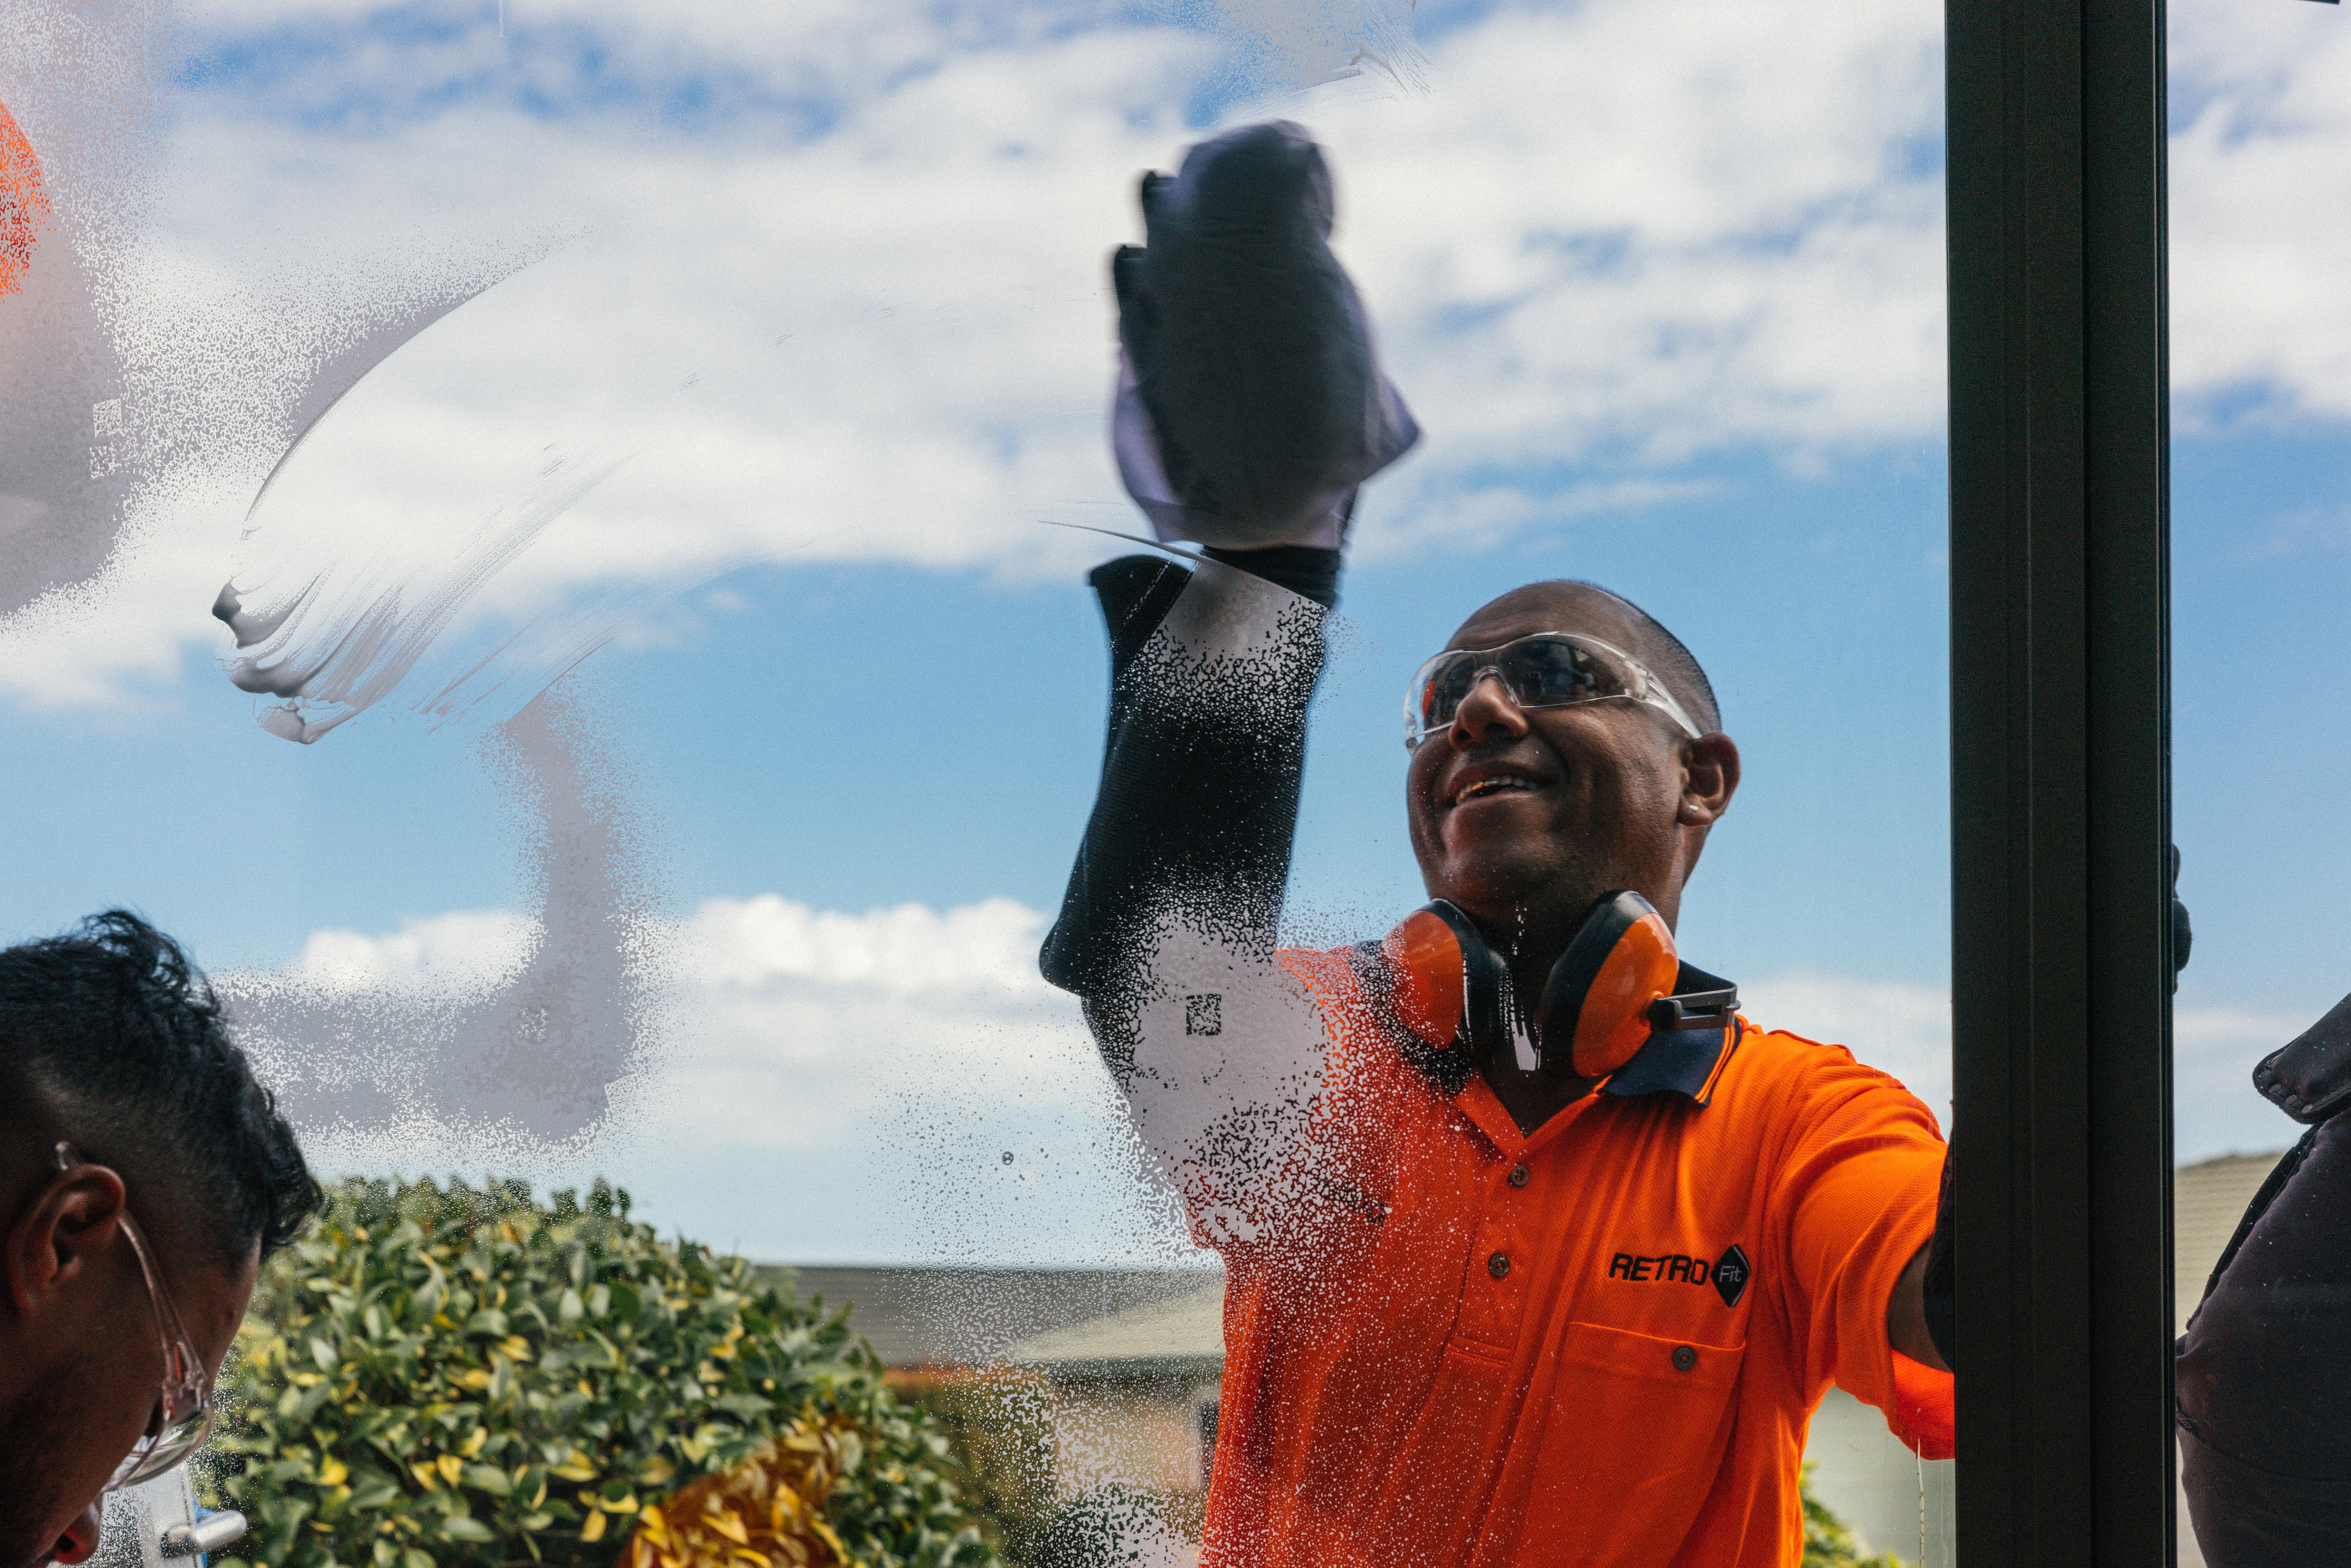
[(1251, 404), (2309, 1079), (2183, 935)]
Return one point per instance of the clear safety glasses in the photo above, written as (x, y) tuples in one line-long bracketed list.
[(182, 1416), (1546, 669)]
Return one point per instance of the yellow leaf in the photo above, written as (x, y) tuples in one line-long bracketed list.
[(450, 1467), (728, 1523), (517, 1347), (472, 1446), (574, 1472), (424, 1477), (594, 1528), (475, 1377), (332, 1471)]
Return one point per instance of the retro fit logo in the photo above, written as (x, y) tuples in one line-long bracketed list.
[(1728, 1274)]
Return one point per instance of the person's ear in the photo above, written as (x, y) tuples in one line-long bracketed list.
[(65, 1234), (1710, 778), (80, 1541)]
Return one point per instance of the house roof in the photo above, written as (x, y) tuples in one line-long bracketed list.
[(1152, 1336), (2208, 1198), (921, 1315)]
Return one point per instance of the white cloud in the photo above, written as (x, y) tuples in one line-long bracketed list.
[(893, 1056), (980, 949), (2261, 209), (1609, 236), (456, 953), (1892, 1025), (810, 1025), (1612, 240), (2214, 1049)]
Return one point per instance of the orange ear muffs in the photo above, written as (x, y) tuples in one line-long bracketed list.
[(1445, 983), (1597, 1007)]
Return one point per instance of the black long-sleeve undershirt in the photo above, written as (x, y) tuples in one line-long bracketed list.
[(1198, 800)]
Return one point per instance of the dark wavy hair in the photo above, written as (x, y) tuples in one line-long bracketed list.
[(117, 1033)]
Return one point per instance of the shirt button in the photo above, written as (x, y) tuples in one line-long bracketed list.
[(1684, 1358), (1518, 1174), (1498, 1264)]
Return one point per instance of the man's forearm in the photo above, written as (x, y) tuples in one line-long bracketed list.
[(1211, 672), (1905, 1315)]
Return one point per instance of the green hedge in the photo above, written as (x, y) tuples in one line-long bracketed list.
[(456, 1378)]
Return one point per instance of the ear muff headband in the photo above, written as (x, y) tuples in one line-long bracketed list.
[(1596, 1006)]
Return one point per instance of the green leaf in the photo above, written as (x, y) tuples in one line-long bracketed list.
[(489, 1479)]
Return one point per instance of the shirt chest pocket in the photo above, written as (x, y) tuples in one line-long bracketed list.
[(1617, 1449)]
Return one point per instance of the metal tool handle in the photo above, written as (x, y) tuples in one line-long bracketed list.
[(208, 1534)]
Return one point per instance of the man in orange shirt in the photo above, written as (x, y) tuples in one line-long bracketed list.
[(1537, 1251)]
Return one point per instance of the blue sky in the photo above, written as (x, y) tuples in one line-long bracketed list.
[(1662, 282)]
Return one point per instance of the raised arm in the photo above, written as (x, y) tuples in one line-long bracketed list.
[(1250, 407), (1167, 930), (1211, 671)]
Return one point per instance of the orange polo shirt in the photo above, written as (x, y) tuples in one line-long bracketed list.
[(1600, 1344)]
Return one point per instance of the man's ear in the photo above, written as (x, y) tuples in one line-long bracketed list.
[(65, 1233), (1710, 778)]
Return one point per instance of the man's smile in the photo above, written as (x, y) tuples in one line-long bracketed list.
[(1483, 780)]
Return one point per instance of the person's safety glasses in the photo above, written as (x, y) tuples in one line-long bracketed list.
[(182, 1416), (1546, 669)]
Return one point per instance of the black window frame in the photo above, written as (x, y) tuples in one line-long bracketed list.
[(2061, 959)]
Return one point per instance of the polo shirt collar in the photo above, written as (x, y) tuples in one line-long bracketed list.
[(1686, 1061)]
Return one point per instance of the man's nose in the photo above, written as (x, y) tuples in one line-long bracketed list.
[(81, 1539), (1489, 712)]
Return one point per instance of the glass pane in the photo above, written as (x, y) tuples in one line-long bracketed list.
[(654, 459), (2258, 448)]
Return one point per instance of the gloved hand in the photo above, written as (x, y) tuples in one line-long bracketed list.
[(1250, 404)]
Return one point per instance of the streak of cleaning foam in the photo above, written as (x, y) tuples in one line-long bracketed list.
[(132, 393), (64, 465), (380, 561), (1298, 43), (499, 1036)]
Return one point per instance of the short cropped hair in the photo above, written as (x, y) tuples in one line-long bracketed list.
[(1670, 662), (117, 1033)]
